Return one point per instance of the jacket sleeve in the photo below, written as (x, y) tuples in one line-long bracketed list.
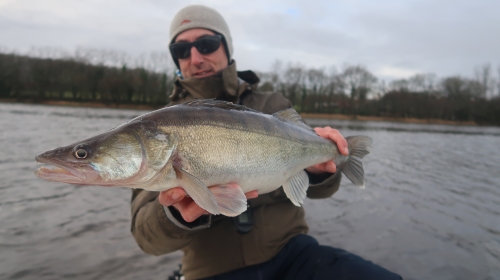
[(323, 185), (156, 233)]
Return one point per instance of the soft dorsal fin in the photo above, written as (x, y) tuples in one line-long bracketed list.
[(290, 115), (213, 103)]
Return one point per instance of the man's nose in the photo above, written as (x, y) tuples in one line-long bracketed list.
[(196, 57)]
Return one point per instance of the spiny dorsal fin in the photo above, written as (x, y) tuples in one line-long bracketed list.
[(290, 115), (213, 103)]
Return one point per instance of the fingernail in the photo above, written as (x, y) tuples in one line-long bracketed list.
[(175, 196), (346, 150)]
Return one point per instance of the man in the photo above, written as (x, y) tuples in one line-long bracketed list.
[(266, 242)]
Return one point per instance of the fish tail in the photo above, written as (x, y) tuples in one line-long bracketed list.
[(352, 167)]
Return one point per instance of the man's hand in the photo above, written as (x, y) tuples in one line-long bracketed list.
[(189, 210), (335, 136)]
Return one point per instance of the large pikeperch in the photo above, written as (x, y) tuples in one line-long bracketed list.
[(205, 143)]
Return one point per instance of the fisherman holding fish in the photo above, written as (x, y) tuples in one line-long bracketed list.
[(268, 241), (222, 172)]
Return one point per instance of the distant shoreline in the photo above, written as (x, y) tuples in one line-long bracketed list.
[(304, 115), (385, 119)]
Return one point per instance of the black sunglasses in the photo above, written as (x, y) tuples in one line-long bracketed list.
[(205, 45)]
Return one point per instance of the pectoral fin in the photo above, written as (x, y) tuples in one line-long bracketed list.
[(296, 187), (231, 199), (197, 190)]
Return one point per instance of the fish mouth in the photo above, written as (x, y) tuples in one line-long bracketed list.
[(53, 170)]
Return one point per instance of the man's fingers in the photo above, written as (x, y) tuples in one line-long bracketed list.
[(176, 197), (189, 210), (339, 140), (172, 196), (328, 166), (252, 194), (334, 135)]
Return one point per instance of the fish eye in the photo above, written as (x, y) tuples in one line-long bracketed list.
[(81, 153)]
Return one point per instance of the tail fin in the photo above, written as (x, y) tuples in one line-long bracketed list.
[(359, 146)]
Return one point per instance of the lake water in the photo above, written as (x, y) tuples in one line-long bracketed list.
[(430, 210)]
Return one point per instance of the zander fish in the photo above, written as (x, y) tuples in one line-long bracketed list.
[(205, 143)]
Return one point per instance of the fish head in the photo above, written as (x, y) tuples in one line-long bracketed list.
[(134, 154), (107, 159)]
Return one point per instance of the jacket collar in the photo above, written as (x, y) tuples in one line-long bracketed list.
[(227, 85)]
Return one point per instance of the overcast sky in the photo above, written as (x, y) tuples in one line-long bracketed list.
[(392, 38)]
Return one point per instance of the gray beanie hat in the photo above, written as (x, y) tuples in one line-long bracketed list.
[(199, 16)]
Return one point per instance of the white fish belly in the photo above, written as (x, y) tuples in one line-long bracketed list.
[(263, 183)]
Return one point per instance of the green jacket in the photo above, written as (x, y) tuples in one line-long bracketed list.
[(211, 244)]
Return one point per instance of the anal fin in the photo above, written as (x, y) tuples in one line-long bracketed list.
[(231, 199), (296, 187)]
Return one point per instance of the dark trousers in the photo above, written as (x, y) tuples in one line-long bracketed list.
[(303, 258)]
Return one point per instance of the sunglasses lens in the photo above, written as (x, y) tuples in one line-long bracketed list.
[(181, 50), (206, 45)]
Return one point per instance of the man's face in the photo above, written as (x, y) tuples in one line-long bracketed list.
[(198, 65)]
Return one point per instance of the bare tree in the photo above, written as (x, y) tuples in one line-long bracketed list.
[(294, 78), (454, 87), (422, 83), (49, 53), (498, 81), (402, 85), (316, 83), (483, 79), (359, 82), (419, 83)]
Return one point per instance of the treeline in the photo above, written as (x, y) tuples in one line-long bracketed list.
[(104, 77), (356, 91), (77, 79)]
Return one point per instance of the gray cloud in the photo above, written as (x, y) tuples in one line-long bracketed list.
[(392, 38), (444, 35)]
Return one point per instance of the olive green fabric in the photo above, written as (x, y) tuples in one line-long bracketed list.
[(211, 245)]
